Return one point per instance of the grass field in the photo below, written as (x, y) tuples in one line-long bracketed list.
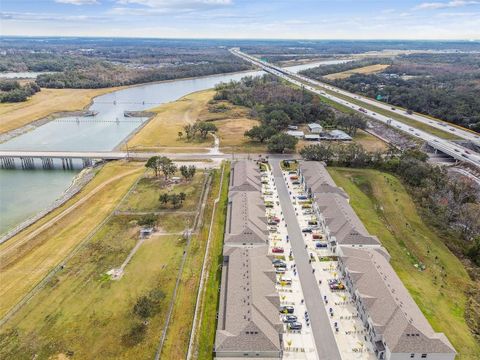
[(45, 103), (205, 337), (386, 209), (178, 335), (370, 142), (145, 195), (29, 256), (162, 131), (370, 69), (82, 312)]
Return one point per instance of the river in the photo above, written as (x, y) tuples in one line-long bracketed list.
[(24, 193)]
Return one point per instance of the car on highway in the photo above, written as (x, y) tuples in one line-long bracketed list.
[(278, 250), (393, 108), (294, 326), (288, 318), (410, 129), (287, 309)]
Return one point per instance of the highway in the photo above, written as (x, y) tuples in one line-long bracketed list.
[(452, 149)]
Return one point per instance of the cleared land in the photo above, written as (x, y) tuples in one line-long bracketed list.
[(386, 209), (370, 69), (83, 313), (29, 256), (369, 142), (45, 103)]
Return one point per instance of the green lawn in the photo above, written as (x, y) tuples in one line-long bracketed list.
[(386, 209), (146, 194), (209, 303)]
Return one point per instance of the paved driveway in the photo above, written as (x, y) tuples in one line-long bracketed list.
[(320, 323)]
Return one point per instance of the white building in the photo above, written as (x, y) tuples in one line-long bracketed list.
[(315, 128), (296, 133)]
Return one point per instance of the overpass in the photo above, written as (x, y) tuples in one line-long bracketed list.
[(26, 159), (452, 149)]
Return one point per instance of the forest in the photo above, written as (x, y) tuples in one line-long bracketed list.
[(98, 63), (445, 86)]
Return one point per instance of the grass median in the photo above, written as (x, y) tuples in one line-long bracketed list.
[(387, 210)]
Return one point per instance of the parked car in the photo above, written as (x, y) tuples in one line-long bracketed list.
[(287, 309), (278, 250), (317, 236), (289, 318), (296, 182), (312, 222), (320, 245), (302, 197), (294, 326), (280, 270), (307, 230), (283, 280), (279, 264)]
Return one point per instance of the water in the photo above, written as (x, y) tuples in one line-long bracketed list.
[(24, 193), (22, 74)]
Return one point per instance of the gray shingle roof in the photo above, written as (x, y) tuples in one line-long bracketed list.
[(342, 221), (248, 317), (318, 179), (394, 313), (246, 219), (245, 176)]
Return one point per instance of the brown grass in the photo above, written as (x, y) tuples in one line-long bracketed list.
[(29, 256), (45, 103), (370, 69)]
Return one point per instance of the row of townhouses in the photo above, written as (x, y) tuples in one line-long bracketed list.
[(396, 327), (248, 322)]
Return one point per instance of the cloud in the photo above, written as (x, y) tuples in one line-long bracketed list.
[(28, 16), (175, 3), (445, 5), (77, 2)]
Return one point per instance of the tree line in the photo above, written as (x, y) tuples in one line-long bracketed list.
[(12, 91)]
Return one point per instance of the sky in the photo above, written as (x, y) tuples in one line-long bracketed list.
[(267, 19)]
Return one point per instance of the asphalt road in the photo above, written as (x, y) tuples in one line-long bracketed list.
[(320, 322), (455, 150)]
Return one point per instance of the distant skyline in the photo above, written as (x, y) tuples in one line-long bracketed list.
[(243, 19)]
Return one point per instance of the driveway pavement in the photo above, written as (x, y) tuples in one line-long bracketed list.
[(320, 323)]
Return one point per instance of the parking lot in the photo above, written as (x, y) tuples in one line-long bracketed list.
[(298, 344), (348, 329)]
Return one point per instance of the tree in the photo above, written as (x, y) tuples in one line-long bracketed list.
[(175, 200), (164, 198), (153, 164), (351, 123), (280, 142), (318, 152), (260, 133), (277, 119), (166, 166), (182, 196), (180, 134), (148, 220), (205, 127), (190, 131), (188, 172)]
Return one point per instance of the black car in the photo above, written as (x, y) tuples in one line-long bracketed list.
[(307, 230)]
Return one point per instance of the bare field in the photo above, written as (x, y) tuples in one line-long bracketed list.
[(370, 69), (45, 103)]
